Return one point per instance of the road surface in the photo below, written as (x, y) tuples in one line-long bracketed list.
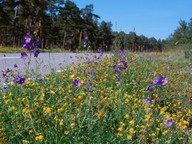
[(43, 64)]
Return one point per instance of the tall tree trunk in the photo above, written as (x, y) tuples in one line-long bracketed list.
[(80, 37), (0, 38), (64, 38)]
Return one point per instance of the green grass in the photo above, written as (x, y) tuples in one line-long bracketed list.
[(11, 50), (103, 109)]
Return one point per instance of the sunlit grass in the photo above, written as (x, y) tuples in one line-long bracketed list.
[(52, 50), (11, 49)]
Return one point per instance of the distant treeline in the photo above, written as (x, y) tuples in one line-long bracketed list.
[(61, 24)]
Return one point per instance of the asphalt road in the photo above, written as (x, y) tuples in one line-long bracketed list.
[(43, 64)]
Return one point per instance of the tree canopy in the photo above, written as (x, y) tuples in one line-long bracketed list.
[(61, 24)]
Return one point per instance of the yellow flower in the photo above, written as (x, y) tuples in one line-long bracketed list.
[(25, 141), (185, 122), (66, 132), (132, 122), (126, 116), (165, 132), (72, 125), (24, 110), (12, 108), (52, 92), (61, 123), (119, 134), (132, 131), (120, 129), (72, 67), (48, 110), (122, 123), (6, 101), (104, 100), (4, 97), (71, 76), (78, 99), (129, 137), (60, 110), (39, 138), (30, 131), (102, 94), (158, 129), (102, 112), (66, 104), (41, 98), (98, 106)]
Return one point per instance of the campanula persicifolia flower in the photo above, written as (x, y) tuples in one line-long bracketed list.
[(28, 46), (149, 88), (100, 50), (148, 101), (85, 41), (37, 44), (8, 70), (36, 53), (120, 79), (24, 55), (159, 80), (27, 38), (19, 79), (125, 64), (77, 83), (27, 42), (4, 75), (86, 38), (169, 122), (15, 66)]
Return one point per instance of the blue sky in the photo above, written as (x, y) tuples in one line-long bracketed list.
[(152, 18)]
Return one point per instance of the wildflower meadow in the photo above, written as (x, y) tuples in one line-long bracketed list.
[(127, 98)]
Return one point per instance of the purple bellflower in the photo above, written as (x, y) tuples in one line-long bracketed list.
[(15, 65), (169, 122), (147, 101), (24, 55), (77, 83), (19, 79), (36, 53), (159, 80), (149, 88)]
